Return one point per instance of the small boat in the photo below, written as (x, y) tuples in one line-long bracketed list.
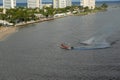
[(85, 47), (64, 46)]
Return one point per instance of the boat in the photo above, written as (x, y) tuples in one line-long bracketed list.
[(85, 47), (65, 46)]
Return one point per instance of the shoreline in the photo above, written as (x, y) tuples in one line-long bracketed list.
[(31, 22), (6, 31)]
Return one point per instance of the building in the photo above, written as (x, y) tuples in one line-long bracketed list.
[(88, 3), (68, 3), (34, 3), (9, 4), (55, 3), (46, 5), (61, 3)]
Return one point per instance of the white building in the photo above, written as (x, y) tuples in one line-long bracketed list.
[(88, 3), (34, 3), (68, 3), (55, 3), (61, 3), (9, 3), (46, 5)]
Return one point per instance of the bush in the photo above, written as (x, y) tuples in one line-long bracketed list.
[(104, 5)]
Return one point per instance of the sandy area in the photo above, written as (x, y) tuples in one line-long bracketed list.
[(6, 31)]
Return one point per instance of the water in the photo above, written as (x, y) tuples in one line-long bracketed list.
[(33, 52)]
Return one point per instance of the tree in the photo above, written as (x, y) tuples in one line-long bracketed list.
[(1, 10), (80, 7), (104, 5), (86, 9)]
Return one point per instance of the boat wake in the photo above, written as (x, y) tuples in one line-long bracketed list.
[(93, 43), (98, 41)]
